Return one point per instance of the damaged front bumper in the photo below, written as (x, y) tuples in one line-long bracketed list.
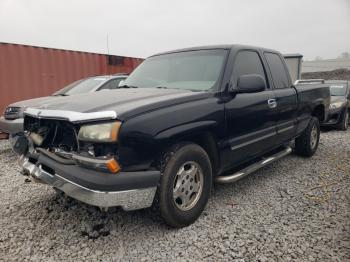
[(129, 190)]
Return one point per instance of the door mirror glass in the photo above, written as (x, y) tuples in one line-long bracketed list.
[(252, 83)]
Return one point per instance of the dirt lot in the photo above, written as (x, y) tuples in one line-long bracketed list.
[(339, 74), (296, 209)]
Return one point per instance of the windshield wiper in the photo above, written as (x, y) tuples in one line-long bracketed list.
[(183, 89), (175, 88), (61, 94), (127, 86)]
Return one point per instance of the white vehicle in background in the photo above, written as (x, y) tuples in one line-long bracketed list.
[(11, 122)]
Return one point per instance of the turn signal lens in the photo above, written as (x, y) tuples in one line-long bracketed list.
[(110, 165), (113, 166)]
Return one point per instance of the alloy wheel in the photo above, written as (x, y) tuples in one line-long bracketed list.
[(188, 185), (314, 136)]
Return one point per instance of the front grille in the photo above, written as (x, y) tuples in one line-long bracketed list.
[(55, 133), (12, 112)]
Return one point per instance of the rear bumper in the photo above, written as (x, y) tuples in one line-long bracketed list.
[(11, 126), (129, 190)]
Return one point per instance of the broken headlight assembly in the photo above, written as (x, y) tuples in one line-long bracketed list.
[(96, 136), (13, 112), (106, 132)]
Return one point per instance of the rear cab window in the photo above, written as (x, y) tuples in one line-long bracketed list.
[(278, 71)]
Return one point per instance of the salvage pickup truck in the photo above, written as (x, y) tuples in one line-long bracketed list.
[(180, 121)]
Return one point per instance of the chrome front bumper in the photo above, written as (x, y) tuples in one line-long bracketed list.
[(128, 199)]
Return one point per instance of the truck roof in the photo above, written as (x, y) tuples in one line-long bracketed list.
[(228, 47)]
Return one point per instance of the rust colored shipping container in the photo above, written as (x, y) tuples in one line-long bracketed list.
[(28, 71)]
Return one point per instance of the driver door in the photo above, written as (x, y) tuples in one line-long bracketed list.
[(250, 117)]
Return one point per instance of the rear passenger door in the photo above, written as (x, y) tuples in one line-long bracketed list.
[(286, 98)]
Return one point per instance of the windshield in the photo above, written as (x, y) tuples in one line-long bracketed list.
[(338, 90), (66, 88), (193, 70), (81, 86)]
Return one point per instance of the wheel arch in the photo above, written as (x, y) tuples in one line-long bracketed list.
[(208, 142), (319, 112), (200, 134)]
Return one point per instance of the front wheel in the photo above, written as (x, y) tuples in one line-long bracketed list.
[(307, 143), (185, 185)]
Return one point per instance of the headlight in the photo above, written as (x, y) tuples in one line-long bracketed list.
[(107, 132), (13, 112), (336, 105)]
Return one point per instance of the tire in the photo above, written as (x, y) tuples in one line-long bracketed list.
[(178, 202), (307, 143), (344, 120)]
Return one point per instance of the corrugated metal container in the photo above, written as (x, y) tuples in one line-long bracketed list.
[(294, 63), (29, 71)]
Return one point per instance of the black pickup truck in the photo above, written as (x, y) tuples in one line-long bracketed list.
[(180, 121)]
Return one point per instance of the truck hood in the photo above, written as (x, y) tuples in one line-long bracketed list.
[(124, 102)]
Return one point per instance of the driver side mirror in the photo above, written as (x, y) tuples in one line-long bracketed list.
[(252, 83)]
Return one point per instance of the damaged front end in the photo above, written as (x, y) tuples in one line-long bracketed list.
[(77, 153), (67, 143)]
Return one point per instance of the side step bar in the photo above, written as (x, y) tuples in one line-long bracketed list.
[(252, 168)]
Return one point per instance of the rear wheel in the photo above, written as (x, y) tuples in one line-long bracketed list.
[(185, 185), (307, 143), (344, 121)]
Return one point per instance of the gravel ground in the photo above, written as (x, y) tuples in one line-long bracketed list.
[(295, 209)]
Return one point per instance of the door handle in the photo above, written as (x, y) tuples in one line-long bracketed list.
[(272, 103)]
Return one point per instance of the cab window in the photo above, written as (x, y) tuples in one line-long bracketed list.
[(246, 63), (278, 71)]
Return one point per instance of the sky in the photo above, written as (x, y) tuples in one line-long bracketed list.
[(140, 28)]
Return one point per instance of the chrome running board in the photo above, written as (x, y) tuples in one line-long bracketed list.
[(254, 167)]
